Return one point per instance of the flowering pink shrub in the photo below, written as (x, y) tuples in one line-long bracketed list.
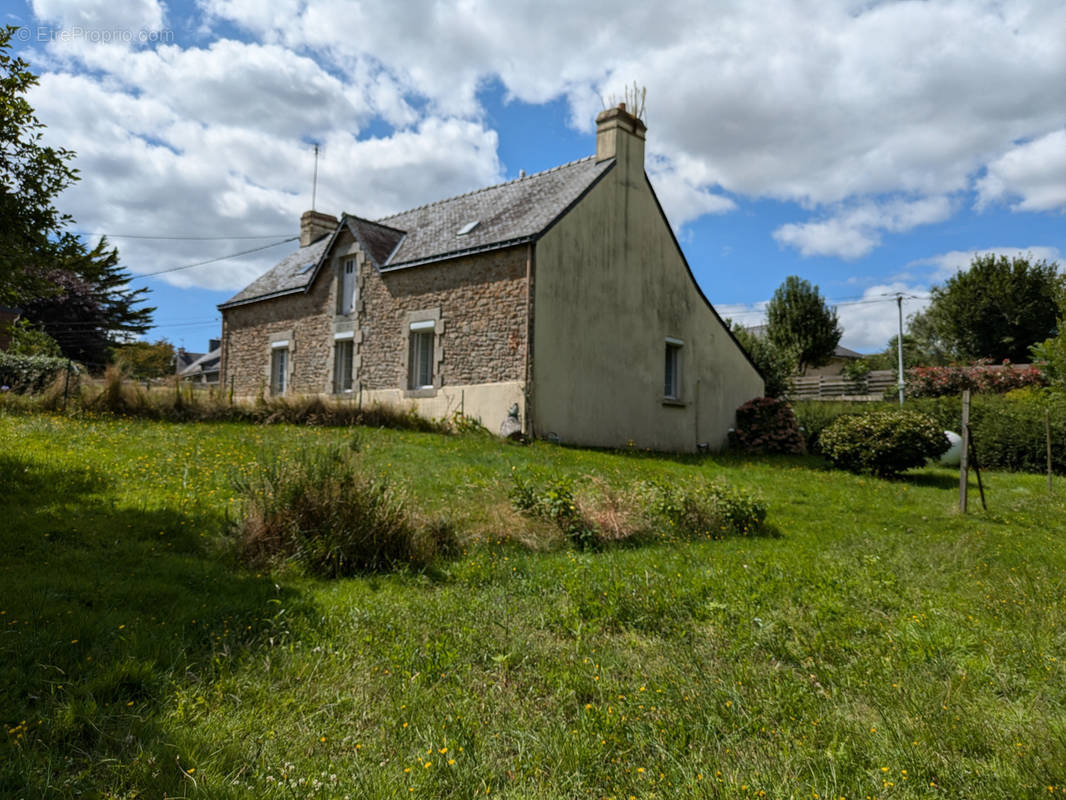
[(768, 425), (982, 377)]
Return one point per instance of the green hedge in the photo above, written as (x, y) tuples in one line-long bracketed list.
[(1008, 430), (28, 374)]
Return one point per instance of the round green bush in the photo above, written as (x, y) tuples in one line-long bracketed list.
[(883, 443)]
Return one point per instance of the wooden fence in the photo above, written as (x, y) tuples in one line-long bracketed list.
[(825, 387)]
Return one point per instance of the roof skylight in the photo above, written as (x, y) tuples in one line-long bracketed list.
[(468, 228)]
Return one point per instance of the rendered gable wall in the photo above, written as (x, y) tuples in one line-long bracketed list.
[(610, 286)]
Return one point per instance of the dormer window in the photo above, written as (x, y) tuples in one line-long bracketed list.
[(470, 227)]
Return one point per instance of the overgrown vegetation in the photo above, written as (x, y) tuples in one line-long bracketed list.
[(883, 639), (643, 511), (883, 443), (30, 374), (179, 402), (324, 511)]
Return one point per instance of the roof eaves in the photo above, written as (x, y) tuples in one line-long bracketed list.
[(245, 301)]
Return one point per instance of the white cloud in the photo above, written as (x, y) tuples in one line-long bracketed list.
[(843, 107), (853, 232), (947, 264), (148, 168), (870, 322), (102, 15), (1033, 174)]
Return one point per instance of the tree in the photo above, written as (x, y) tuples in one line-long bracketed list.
[(89, 307), (1052, 351), (800, 323), (997, 309), (144, 360), (31, 176), (775, 364), (79, 297)]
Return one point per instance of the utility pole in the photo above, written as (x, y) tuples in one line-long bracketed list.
[(899, 346)]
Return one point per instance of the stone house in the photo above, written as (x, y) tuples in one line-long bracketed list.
[(564, 293)]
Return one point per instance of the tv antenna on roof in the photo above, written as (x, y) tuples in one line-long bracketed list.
[(314, 181)]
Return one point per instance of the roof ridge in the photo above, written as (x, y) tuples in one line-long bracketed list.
[(381, 220), (345, 215)]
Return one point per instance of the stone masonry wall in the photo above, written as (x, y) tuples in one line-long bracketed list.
[(482, 299), (246, 336), (482, 302)]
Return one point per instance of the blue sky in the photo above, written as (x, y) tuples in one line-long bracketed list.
[(869, 147)]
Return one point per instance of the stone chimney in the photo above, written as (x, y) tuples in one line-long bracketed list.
[(213, 345), (620, 135), (314, 225)]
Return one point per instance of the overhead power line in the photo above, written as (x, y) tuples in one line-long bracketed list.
[(191, 237), (219, 258)]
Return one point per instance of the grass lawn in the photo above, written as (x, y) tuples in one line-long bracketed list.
[(882, 646)]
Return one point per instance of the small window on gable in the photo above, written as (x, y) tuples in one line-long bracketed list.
[(469, 227), (672, 370), (346, 287), (420, 355)]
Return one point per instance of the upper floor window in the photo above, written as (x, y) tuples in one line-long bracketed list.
[(346, 287)]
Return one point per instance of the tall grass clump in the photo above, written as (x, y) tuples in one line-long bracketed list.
[(321, 510)]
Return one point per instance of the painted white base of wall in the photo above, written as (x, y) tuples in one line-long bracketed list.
[(488, 402)]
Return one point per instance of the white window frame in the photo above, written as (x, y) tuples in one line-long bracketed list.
[(343, 366), (347, 286), (672, 369), (279, 351), (421, 343)]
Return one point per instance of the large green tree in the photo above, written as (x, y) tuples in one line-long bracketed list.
[(78, 296), (776, 365), (32, 230), (997, 309), (800, 322)]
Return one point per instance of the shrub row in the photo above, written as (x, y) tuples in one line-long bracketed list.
[(183, 403), (1008, 430), (30, 374), (981, 377)]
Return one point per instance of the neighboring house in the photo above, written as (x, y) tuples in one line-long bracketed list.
[(841, 357), (563, 293), (203, 368)]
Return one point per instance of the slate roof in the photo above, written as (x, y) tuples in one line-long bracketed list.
[(208, 362), (290, 274), (507, 214)]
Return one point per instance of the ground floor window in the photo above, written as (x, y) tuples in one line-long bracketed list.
[(672, 370), (342, 365), (420, 355), (279, 369)]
